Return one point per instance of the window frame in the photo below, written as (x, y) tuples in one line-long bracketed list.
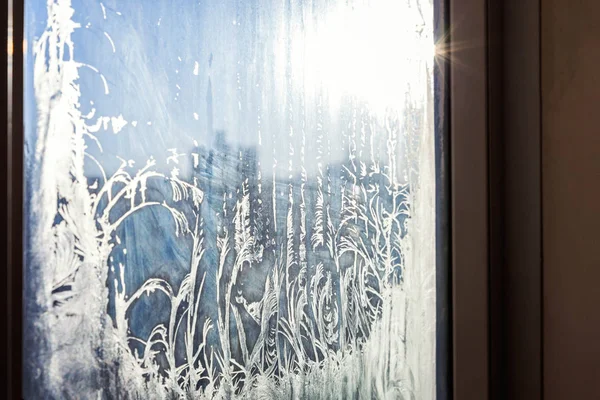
[(469, 198), (495, 199), (489, 240), (11, 201)]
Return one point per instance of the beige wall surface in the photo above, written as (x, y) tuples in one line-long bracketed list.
[(570, 70)]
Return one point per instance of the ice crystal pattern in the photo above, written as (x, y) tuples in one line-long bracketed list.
[(301, 262)]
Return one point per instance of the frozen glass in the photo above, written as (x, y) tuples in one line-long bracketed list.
[(230, 199)]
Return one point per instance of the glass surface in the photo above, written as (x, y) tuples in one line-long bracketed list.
[(230, 199)]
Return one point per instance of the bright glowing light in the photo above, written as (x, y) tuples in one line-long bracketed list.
[(373, 52), (10, 48)]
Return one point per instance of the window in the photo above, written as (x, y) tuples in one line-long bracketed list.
[(232, 199)]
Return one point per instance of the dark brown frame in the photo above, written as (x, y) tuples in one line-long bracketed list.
[(469, 198), (522, 314), (490, 182), (495, 191), (11, 201)]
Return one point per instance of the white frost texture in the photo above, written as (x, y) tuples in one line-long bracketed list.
[(270, 235)]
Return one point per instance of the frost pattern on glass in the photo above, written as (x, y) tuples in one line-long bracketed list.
[(230, 199)]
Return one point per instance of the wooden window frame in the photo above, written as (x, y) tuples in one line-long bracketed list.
[(495, 199), (488, 155), (11, 200)]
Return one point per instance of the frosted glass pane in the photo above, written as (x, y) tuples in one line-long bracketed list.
[(230, 199)]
